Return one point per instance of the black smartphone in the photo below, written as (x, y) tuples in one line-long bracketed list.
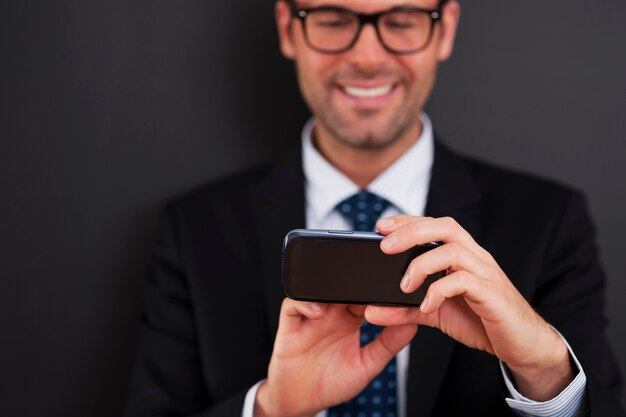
[(334, 266)]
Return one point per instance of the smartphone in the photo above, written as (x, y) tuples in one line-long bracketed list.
[(348, 267)]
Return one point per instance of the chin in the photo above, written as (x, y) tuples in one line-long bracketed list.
[(369, 141), (365, 130)]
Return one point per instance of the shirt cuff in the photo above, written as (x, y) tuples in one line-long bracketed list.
[(570, 402), (248, 404)]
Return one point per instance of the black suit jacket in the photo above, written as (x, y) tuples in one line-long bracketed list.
[(214, 290)]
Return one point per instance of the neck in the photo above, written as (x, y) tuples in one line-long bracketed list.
[(363, 165)]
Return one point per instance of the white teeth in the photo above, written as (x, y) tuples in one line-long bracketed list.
[(368, 92)]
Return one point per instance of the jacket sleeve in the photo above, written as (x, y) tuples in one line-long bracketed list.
[(571, 298), (166, 378)]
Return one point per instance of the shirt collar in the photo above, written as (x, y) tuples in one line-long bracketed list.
[(404, 184)]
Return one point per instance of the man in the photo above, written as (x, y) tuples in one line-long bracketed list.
[(219, 340)]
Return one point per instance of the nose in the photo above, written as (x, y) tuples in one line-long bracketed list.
[(367, 52)]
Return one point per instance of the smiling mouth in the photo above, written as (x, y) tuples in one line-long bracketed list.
[(360, 92)]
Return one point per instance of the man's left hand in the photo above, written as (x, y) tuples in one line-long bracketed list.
[(476, 304)]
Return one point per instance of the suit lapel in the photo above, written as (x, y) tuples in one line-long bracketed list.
[(453, 192), (278, 206)]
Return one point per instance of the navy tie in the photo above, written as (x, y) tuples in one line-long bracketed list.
[(379, 398)]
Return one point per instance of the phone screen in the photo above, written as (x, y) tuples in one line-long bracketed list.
[(340, 267)]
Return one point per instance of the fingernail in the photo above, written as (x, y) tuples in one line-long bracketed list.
[(315, 308), (385, 223), (404, 284), (424, 305), (390, 241)]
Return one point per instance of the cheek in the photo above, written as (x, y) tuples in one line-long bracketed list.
[(420, 65), (315, 71), (421, 72), (311, 86)]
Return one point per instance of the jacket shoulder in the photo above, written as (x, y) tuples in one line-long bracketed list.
[(231, 189), (514, 184)]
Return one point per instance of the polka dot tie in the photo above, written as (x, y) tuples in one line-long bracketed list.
[(379, 398), (362, 210)]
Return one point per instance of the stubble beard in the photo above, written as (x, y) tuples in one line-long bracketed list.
[(368, 138)]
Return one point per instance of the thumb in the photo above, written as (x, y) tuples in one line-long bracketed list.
[(377, 354), (293, 313)]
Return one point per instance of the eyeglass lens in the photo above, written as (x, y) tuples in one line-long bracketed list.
[(335, 30)]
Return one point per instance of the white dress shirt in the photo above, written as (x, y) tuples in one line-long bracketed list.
[(405, 185)]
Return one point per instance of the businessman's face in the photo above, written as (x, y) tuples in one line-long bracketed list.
[(365, 96)]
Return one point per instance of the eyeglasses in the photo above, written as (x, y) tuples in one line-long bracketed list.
[(401, 30)]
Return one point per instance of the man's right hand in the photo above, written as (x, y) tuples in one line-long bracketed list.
[(317, 360)]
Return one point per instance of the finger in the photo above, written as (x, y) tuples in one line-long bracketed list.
[(357, 310), (293, 312), (390, 224), (451, 257), (393, 316), (443, 229), (460, 283), (377, 354)]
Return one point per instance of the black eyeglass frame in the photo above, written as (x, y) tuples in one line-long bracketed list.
[(365, 18)]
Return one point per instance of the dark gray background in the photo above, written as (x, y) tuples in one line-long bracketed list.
[(107, 109)]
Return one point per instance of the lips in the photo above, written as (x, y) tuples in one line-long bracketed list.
[(368, 92)]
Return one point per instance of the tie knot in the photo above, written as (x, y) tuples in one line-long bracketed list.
[(362, 210)]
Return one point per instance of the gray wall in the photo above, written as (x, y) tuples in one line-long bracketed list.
[(107, 109)]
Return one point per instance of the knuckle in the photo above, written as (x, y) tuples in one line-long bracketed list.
[(436, 287), (482, 288), (414, 267), (402, 218), (455, 228), (449, 222), (455, 251), (467, 235), (414, 228), (488, 256), (463, 278)]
